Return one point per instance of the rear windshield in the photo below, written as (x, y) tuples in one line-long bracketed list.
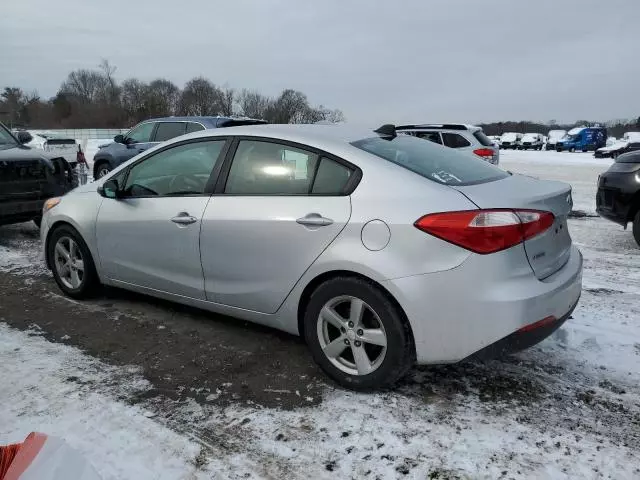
[(432, 161), (482, 138)]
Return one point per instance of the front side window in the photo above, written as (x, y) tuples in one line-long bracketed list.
[(181, 170), (441, 165), (169, 130), (141, 133), (454, 140), (267, 168)]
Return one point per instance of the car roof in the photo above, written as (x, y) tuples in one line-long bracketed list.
[(301, 133)]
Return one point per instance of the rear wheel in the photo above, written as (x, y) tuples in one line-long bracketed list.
[(71, 262), (357, 335), (636, 228)]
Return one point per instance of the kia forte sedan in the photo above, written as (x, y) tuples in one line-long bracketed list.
[(381, 250)]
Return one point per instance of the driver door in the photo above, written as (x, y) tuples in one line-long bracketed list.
[(150, 237), (137, 140)]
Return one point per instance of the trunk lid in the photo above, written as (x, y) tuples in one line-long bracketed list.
[(549, 251)]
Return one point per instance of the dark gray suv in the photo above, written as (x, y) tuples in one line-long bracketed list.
[(151, 132)]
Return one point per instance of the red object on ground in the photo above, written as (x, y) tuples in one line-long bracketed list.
[(21, 455)]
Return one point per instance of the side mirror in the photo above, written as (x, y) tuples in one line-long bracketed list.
[(110, 189), (24, 137), (119, 139)]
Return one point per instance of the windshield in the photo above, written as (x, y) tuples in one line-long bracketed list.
[(5, 136), (429, 160)]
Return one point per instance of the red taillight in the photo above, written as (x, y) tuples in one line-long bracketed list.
[(545, 322), (484, 152), (486, 231)]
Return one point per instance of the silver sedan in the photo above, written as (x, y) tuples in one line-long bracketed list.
[(379, 249)]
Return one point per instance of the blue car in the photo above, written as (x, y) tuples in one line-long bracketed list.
[(583, 138), (151, 132)]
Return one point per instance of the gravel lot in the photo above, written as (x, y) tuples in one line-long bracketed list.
[(218, 397)]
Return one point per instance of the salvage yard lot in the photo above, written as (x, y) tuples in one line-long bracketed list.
[(148, 389)]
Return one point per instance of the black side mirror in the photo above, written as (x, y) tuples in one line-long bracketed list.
[(110, 189), (24, 137), (119, 139)]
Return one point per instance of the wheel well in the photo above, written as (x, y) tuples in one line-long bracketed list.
[(635, 206), (316, 282), (53, 228), (99, 162)]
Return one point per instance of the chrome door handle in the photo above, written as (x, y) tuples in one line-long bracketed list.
[(314, 220), (183, 218)]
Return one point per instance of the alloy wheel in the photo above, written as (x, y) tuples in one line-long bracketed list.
[(351, 335), (69, 263)]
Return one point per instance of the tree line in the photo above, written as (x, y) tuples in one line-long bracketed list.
[(615, 128), (95, 99)]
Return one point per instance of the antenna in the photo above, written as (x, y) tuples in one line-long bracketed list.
[(386, 130)]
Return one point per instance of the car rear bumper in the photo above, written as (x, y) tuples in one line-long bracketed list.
[(459, 312)]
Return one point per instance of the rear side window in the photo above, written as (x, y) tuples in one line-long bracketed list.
[(442, 165), (431, 136), (454, 140), (169, 130), (331, 178), (194, 127), (482, 138)]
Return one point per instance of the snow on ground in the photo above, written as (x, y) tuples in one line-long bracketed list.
[(568, 408), (51, 388)]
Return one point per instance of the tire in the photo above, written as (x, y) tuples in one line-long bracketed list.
[(636, 227), (388, 363), (100, 170), (87, 275)]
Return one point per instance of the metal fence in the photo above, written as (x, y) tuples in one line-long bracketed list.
[(84, 134)]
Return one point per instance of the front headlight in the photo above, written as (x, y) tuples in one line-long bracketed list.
[(49, 204)]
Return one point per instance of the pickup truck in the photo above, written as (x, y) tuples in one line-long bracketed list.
[(28, 177)]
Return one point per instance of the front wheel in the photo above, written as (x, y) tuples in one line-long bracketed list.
[(357, 335), (101, 170), (636, 227), (71, 262)]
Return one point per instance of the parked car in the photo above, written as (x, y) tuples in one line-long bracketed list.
[(152, 132), (381, 250), (464, 138), (533, 141), (583, 138), (553, 137), (617, 149), (55, 143), (495, 139), (28, 177), (618, 197), (510, 140)]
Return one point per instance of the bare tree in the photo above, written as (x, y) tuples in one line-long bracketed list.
[(200, 97), (134, 100), (163, 98), (253, 104), (227, 101)]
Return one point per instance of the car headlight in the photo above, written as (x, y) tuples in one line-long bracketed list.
[(49, 204)]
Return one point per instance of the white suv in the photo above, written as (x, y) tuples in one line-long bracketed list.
[(465, 138)]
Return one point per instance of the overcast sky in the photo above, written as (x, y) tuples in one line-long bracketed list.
[(378, 61)]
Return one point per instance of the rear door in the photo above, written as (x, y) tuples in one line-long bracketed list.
[(282, 204), (168, 130), (550, 250)]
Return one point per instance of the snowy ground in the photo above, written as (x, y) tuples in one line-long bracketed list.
[(568, 408)]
